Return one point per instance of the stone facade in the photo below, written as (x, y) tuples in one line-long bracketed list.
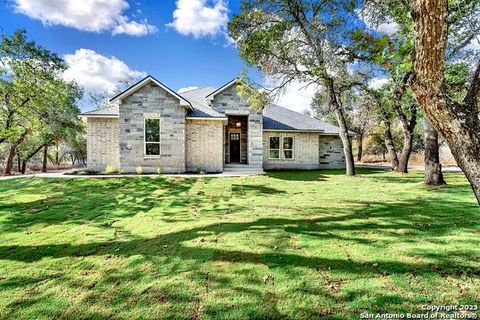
[(231, 104), (102, 143), (204, 145), (151, 101), (331, 153), (308, 149), (193, 144)]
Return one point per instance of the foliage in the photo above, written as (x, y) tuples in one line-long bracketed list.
[(38, 106), (201, 247), (111, 170), (139, 170)]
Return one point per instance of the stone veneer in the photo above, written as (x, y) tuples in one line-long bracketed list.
[(311, 151), (102, 143), (204, 145), (331, 153), (230, 103), (151, 101)]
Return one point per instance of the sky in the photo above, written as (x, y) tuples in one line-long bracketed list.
[(183, 43)]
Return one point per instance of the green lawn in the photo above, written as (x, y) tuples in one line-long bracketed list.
[(285, 245)]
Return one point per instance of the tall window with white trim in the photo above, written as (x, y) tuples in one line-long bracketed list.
[(152, 137), (274, 148), (288, 147)]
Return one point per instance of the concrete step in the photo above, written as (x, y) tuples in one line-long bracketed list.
[(236, 165), (229, 168)]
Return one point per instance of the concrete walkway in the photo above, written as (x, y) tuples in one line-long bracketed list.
[(61, 174), (410, 168)]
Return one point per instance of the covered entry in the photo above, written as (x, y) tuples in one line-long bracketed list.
[(236, 148)]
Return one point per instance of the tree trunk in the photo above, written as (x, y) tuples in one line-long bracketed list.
[(387, 135), (45, 159), (33, 153), (406, 151), (57, 161), (347, 143), (458, 123), (12, 151), (433, 168), (360, 147), (19, 162), (24, 167), (408, 125)]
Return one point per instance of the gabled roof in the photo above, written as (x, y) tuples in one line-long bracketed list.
[(221, 89), (107, 112), (145, 81), (201, 109), (275, 118), (278, 118)]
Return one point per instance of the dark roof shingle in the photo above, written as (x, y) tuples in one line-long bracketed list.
[(280, 118), (106, 111)]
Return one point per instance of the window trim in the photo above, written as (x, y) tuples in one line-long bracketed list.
[(279, 148), (292, 149), (281, 155), (145, 155)]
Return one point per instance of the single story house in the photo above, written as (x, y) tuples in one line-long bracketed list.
[(153, 127)]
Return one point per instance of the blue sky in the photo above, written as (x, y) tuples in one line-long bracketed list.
[(193, 52), (183, 43)]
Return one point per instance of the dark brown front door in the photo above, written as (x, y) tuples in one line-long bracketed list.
[(234, 147)]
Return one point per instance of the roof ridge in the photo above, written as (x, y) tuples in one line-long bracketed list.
[(195, 89), (102, 108)]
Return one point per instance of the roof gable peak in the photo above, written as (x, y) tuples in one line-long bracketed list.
[(140, 84)]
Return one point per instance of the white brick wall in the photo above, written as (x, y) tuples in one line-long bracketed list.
[(204, 145), (311, 151), (102, 143)]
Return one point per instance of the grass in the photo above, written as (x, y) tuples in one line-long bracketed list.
[(285, 245)]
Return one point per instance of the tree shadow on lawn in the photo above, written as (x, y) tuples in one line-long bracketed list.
[(388, 220), (422, 223), (316, 175), (84, 201)]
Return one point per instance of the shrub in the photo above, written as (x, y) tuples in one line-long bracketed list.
[(159, 170), (201, 171), (111, 170), (139, 170)]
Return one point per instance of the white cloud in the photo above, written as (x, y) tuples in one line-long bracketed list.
[(85, 15), (389, 28), (297, 96), (377, 83), (187, 89), (134, 28), (95, 72), (200, 18), (474, 44)]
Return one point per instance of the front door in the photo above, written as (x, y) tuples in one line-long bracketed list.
[(234, 147)]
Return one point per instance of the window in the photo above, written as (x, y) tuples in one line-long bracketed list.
[(288, 147), (152, 137), (274, 148), (283, 150)]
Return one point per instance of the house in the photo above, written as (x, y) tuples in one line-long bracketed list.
[(151, 126)]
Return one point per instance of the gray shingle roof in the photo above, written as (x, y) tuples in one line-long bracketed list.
[(106, 111), (201, 109), (280, 118)]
